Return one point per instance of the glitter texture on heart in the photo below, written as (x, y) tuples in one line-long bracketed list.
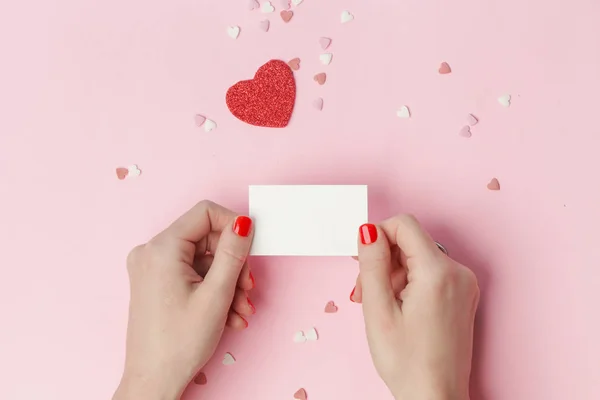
[(268, 99)]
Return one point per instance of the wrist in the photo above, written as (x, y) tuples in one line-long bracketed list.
[(138, 388)]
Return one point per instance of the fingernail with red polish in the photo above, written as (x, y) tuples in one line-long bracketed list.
[(352, 295), (368, 233), (242, 226), (251, 306), (252, 279), (245, 322)]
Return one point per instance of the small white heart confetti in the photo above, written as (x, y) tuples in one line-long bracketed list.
[(472, 120), (325, 43), (312, 335), (267, 7), (264, 25), (299, 337), (228, 359), (318, 104), (133, 171), (233, 32), (465, 131), (504, 100), (297, 2), (326, 58), (209, 125), (347, 17), (403, 112)]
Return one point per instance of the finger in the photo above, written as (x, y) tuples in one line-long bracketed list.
[(236, 321), (208, 244), (375, 272), (230, 257), (246, 279), (203, 218), (242, 304), (406, 232), (398, 284)]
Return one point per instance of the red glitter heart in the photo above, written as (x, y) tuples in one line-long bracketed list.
[(268, 99)]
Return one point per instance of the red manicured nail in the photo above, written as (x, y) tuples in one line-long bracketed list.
[(252, 279), (368, 233), (245, 322), (242, 226), (251, 306), (352, 295)]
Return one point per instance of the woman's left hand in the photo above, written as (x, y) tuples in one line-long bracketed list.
[(187, 283)]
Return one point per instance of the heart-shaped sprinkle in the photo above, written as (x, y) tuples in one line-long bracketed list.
[(264, 25), (326, 58), (122, 173), (284, 4), (403, 112), (346, 16), (331, 308), (472, 120), (299, 337), (233, 32), (312, 335), (444, 68), (200, 379), (318, 104), (297, 2), (267, 7), (228, 359), (209, 125), (286, 15), (199, 120), (321, 78), (494, 185), (253, 5), (465, 131), (133, 171), (300, 395), (325, 43), (505, 100), (294, 64)]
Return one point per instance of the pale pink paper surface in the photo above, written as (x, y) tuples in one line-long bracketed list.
[(86, 86)]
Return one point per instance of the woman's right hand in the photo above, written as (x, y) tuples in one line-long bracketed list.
[(419, 308)]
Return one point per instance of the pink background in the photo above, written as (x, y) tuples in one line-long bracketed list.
[(86, 86)]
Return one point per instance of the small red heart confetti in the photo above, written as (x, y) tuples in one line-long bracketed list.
[(264, 25), (321, 78), (200, 379), (199, 120), (268, 99), (331, 308), (465, 131), (444, 68), (286, 15), (300, 395), (494, 184), (472, 120), (318, 104), (122, 173), (325, 43), (294, 64)]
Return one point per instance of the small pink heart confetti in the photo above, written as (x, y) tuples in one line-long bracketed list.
[(320, 78), (294, 64), (300, 395), (253, 5), (465, 131), (472, 120), (285, 4), (494, 185), (122, 173), (331, 308), (318, 104), (286, 15), (325, 43), (199, 120), (444, 68), (264, 25)]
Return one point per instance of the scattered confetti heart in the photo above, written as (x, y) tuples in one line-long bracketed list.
[(233, 32), (312, 335), (209, 125), (286, 15), (133, 171), (294, 64), (267, 7), (325, 43), (299, 337), (122, 173), (285, 4), (494, 184), (326, 58), (505, 100), (403, 112), (264, 25), (321, 78), (465, 131), (253, 5), (318, 104), (297, 2), (444, 68), (200, 379), (331, 308), (472, 120), (347, 17), (228, 359), (199, 120), (300, 395), (268, 99)]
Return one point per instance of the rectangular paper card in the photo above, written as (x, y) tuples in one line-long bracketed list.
[(314, 220)]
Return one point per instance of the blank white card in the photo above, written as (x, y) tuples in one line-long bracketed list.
[(315, 220)]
